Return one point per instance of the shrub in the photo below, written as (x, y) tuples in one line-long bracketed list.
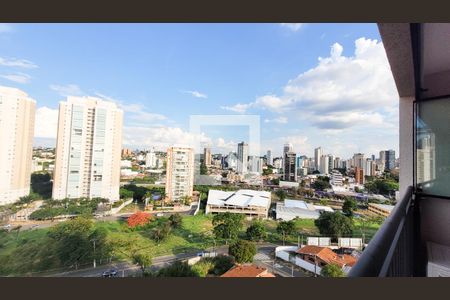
[(203, 267), (243, 251)]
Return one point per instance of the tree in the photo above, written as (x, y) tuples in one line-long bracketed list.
[(142, 259), (41, 184), (175, 220), (321, 184), (286, 228), (332, 270), (186, 200), (227, 225), (222, 263), (349, 207), (203, 168), (334, 223), (281, 194), (125, 194), (267, 171), (177, 269), (243, 251), (138, 219), (72, 239), (256, 231), (161, 232)]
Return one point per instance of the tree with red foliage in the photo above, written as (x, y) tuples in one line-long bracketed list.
[(139, 218)]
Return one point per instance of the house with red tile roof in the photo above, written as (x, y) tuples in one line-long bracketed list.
[(249, 270)]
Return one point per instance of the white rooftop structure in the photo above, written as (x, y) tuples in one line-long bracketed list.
[(249, 202), (292, 209)]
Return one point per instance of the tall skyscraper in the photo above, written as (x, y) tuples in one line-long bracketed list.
[(255, 164), (287, 148), (359, 175), (242, 155), (207, 156), (358, 160), (88, 149), (387, 157), (17, 112), (179, 173), (317, 155), (324, 164), (269, 157), (330, 162), (290, 171)]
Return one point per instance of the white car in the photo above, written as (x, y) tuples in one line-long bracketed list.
[(7, 226), (159, 214)]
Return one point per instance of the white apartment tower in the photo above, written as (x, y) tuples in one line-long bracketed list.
[(88, 149), (317, 157), (17, 112), (242, 158), (269, 157), (151, 159), (179, 173), (324, 164)]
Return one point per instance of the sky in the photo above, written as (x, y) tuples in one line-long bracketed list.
[(312, 85)]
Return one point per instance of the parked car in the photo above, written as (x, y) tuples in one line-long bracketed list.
[(110, 273), (159, 214)]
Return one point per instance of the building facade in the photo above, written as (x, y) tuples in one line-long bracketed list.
[(242, 158), (17, 113), (179, 173), (207, 156), (317, 155), (290, 164), (88, 149)]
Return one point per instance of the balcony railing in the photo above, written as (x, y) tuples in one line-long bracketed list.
[(390, 253)]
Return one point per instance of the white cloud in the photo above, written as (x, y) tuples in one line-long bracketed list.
[(5, 28), (67, 90), (161, 137), (18, 77), (239, 108), (46, 122), (293, 26), (280, 120), (341, 91), (19, 63), (197, 94)]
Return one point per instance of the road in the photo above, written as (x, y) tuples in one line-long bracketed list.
[(264, 258)]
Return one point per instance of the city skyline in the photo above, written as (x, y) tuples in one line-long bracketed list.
[(290, 79)]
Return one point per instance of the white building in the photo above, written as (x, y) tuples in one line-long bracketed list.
[(242, 158), (88, 149), (317, 155), (17, 112), (231, 161), (249, 202), (269, 157), (151, 159), (292, 209), (336, 178), (324, 164), (179, 172), (255, 164)]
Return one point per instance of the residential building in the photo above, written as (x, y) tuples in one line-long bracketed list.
[(269, 157), (290, 172), (331, 158), (426, 166), (336, 178), (322, 256), (179, 173), (278, 163), (242, 158), (358, 160), (324, 164), (247, 271), (126, 152), (231, 161), (317, 156), (207, 156), (359, 175), (388, 158), (251, 203), (151, 159), (17, 113), (88, 149), (255, 164)]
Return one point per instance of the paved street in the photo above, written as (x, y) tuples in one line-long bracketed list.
[(266, 258)]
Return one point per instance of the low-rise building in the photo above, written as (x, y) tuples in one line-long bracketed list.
[(292, 209), (247, 271), (380, 209), (249, 202)]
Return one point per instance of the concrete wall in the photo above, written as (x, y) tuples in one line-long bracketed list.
[(435, 220), (406, 123)]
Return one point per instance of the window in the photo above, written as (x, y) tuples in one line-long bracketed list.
[(433, 147)]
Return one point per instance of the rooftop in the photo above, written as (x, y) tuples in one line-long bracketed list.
[(242, 198), (247, 271), (327, 255)]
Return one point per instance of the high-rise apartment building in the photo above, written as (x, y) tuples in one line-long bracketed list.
[(242, 155), (207, 156), (331, 158), (324, 164), (358, 160), (151, 159), (17, 112), (426, 162), (269, 157), (179, 173), (126, 152), (359, 175), (290, 172), (88, 149), (255, 164), (317, 155), (287, 148)]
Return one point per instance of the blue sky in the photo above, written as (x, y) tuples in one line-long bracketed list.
[(160, 74)]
